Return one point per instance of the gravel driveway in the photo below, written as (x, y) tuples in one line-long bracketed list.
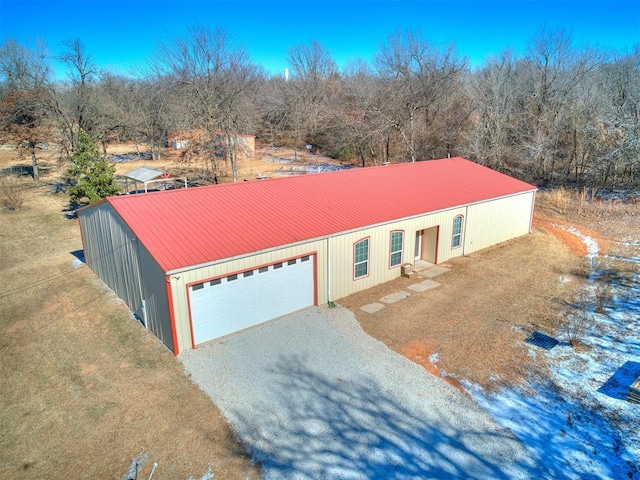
[(314, 397)]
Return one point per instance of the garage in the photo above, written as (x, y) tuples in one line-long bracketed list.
[(225, 305), (200, 263)]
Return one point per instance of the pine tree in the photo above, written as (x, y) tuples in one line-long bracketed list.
[(92, 177)]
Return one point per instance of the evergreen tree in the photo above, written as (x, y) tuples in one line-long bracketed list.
[(92, 176)]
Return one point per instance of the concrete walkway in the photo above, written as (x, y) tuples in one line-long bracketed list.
[(429, 271)]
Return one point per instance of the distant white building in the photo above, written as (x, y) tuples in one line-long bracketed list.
[(245, 145)]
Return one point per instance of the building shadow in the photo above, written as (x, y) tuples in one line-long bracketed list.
[(79, 254), (337, 428), (617, 386)]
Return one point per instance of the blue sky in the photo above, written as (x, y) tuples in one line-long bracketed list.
[(122, 35)]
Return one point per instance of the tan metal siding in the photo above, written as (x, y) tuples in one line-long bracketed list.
[(180, 281), (343, 283), (496, 221)]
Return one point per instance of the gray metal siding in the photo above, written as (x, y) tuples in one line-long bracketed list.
[(113, 252), (154, 289)]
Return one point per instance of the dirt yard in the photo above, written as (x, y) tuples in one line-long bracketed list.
[(84, 388)]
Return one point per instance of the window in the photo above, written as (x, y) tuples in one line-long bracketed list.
[(277, 265), (456, 239), (291, 262), (231, 278), (305, 258), (248, 273), (215, 282), (395, 257), (263, 269), (361, 258), (197, 286)]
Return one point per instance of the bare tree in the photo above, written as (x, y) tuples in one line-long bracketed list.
[(554, 70), (25, 102), (214, 78), (150, 99), (309, 91), (557, 115), (77, 97), (618, 104), (273, 102), (365, 124), (113, 109), (422, 79), (492, 90)]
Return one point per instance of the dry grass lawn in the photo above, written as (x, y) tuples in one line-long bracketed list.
[(84, 388)]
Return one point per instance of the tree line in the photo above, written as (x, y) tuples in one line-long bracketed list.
[(556, 115)]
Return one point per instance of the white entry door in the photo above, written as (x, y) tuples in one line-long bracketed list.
[(235, 302), (418, 250)]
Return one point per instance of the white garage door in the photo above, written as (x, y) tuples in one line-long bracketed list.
[(229, 304)]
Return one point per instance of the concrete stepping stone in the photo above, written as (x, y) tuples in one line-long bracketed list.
[(429, 284), (433, 271), (395, 297), (372, 307), (418, 287)]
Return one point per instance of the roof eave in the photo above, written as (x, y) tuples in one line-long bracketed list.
[(91, 205)]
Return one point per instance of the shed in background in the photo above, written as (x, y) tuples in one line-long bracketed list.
[(148, 176)]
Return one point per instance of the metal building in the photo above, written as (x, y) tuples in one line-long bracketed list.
[(200, 263)]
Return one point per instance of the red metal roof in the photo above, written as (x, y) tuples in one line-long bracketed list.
[(187, 227)]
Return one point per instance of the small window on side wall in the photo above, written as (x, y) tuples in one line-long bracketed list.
[(395, 256), (361, 259), (456, 239)]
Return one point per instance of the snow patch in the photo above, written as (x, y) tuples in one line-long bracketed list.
[(208, 475), (564, 279), (592, 245), (624, 259), (134, 466), (577, 422), (631, 244), (433, 358), (77, 263)]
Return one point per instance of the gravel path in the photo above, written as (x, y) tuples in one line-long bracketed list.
[(314, 397)]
